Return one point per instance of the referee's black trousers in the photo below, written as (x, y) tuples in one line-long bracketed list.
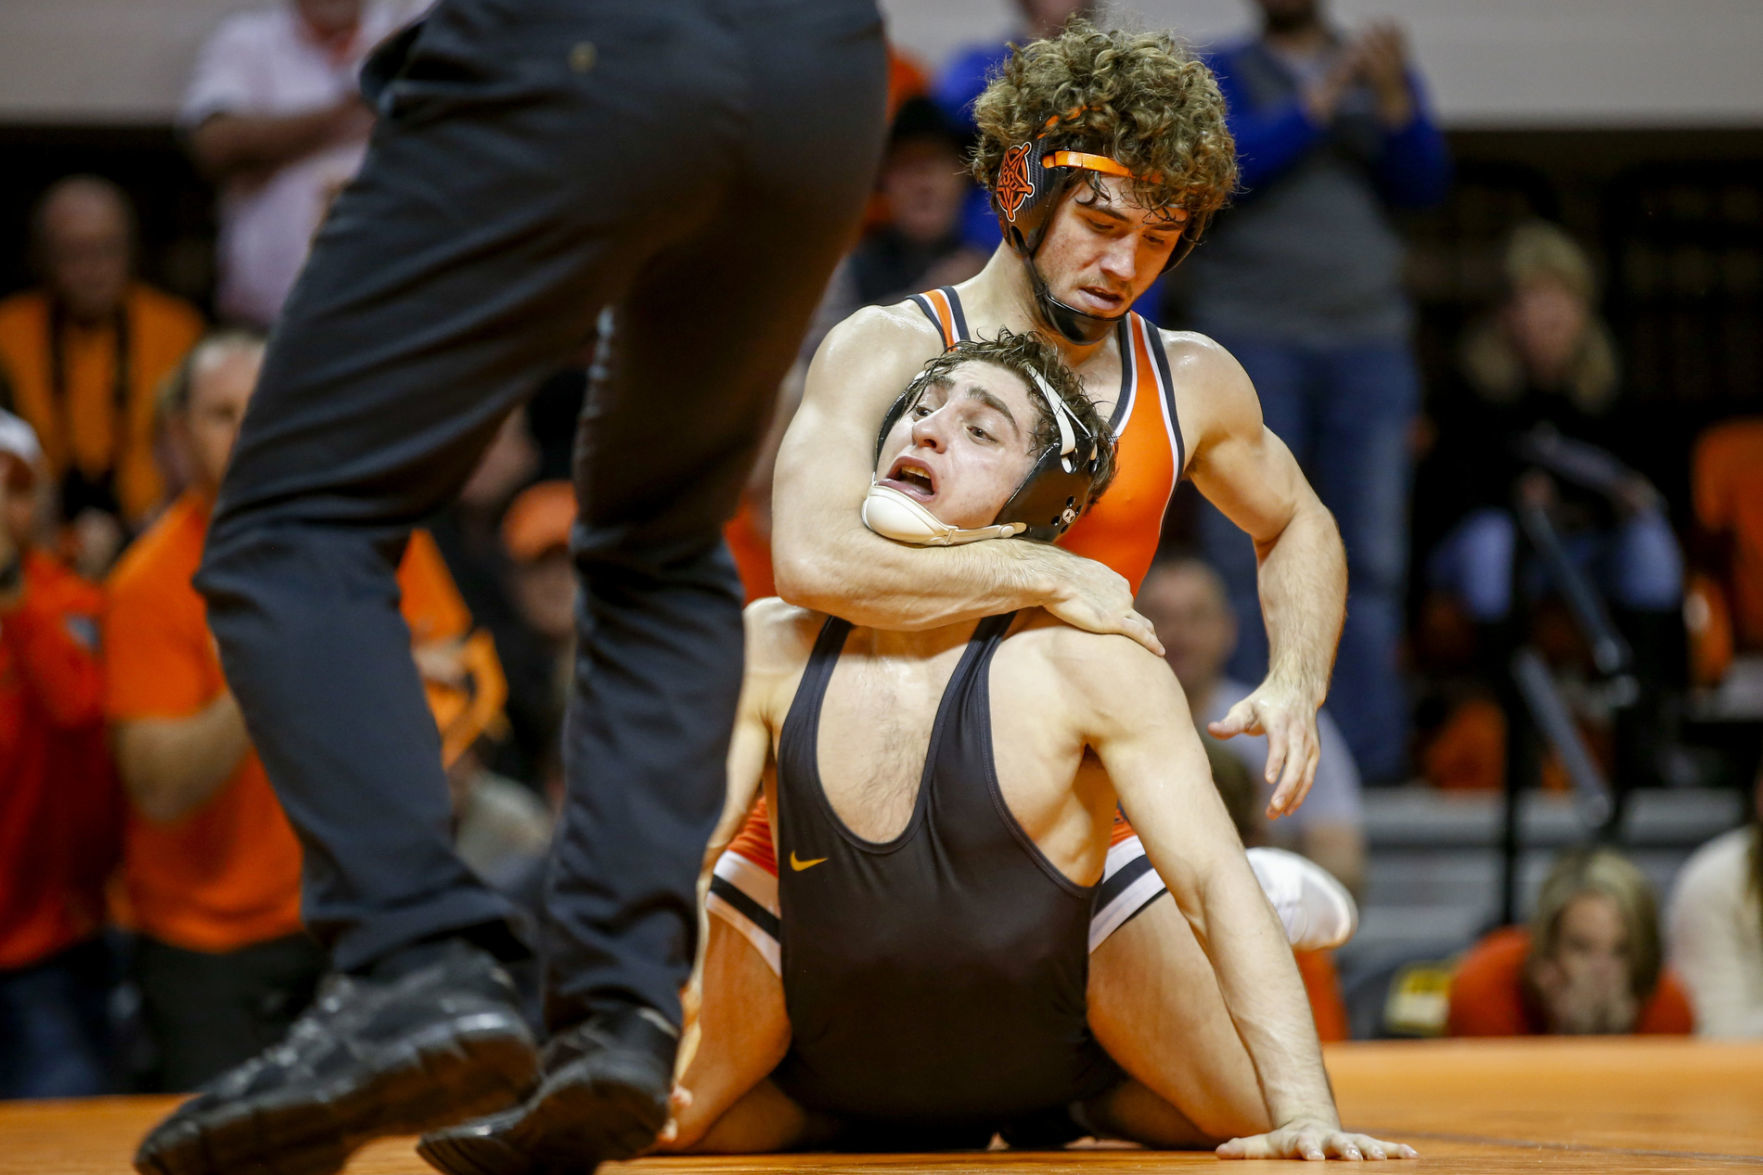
[(696, 168)]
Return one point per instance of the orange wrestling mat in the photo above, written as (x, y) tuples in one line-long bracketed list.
[(1470, 1107)]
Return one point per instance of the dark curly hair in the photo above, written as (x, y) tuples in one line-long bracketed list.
[(1141, 98), (1028, 355)]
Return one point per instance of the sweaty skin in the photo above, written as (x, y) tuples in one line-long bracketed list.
[(1082, 722), (1099, 257)]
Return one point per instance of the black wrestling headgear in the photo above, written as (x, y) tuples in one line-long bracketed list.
[(1051, 496), (1031, 180)]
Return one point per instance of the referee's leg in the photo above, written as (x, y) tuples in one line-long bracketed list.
[(467, 261), (518, 178), (689, 372), (691, 366)]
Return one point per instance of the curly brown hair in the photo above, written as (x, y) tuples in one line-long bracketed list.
[(1028, 355), (1139, 97)]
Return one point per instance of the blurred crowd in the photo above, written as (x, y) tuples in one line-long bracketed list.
[(149, 883)]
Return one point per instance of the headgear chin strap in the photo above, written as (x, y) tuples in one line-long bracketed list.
[(1081, 328), (894, 515), (1031, 181)]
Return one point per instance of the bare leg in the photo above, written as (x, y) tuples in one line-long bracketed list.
[(746, 1032), (763, 1121), (1155, 1006), (1132, 1112)]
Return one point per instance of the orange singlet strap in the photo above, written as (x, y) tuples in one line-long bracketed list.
[(1157, 370), (943, 307), (1151, 373)]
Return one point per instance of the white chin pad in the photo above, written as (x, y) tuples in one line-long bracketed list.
[(893, 515)]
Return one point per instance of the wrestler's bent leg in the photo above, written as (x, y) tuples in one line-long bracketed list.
[(1132, 1112), (1156, 1008), (745, 1032), (764, 1121)]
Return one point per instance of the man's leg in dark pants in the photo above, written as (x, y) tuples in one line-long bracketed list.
[(690, 367), (659, 663), (687, 378), (535, 157), (506, 197), (451, 276)]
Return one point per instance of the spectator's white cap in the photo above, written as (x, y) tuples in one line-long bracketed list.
[(19, 439)]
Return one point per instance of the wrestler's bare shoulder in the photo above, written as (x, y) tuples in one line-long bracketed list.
[(1209, 381), (896, 332), (1089, 668), (779, 636), (1200, 359)]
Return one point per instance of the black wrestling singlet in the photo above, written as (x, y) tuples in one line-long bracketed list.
[(937, 979)]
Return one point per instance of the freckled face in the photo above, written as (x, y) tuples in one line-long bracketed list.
[(1102, 251)]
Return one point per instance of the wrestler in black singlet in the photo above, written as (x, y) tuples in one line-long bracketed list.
[(936, 982)]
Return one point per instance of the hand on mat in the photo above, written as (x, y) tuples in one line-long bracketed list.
[(1098, 599), (1313, 1140), (1288, 719)]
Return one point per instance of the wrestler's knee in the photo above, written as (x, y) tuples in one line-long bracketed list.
[(1130, 1111), (763, 1121)]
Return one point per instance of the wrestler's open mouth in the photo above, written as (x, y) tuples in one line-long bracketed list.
[(913, 478)]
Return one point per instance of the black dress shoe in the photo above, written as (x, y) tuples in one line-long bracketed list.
[(604, 1097), (440, 1044)]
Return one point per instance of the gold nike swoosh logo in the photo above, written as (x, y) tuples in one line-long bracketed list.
[(798, 864)]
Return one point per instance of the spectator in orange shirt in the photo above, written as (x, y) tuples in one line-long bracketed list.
[(211, 868), (1589, 963), (59, 810), (81, 358)]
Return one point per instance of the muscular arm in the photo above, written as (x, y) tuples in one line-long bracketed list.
[(1137, 721), (1250, 475), (749, 747), (172, 766), (826, 560)]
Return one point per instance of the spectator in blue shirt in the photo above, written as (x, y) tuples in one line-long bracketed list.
[(1301, 281)]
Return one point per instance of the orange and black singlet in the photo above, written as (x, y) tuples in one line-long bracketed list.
[(1122, 529)]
